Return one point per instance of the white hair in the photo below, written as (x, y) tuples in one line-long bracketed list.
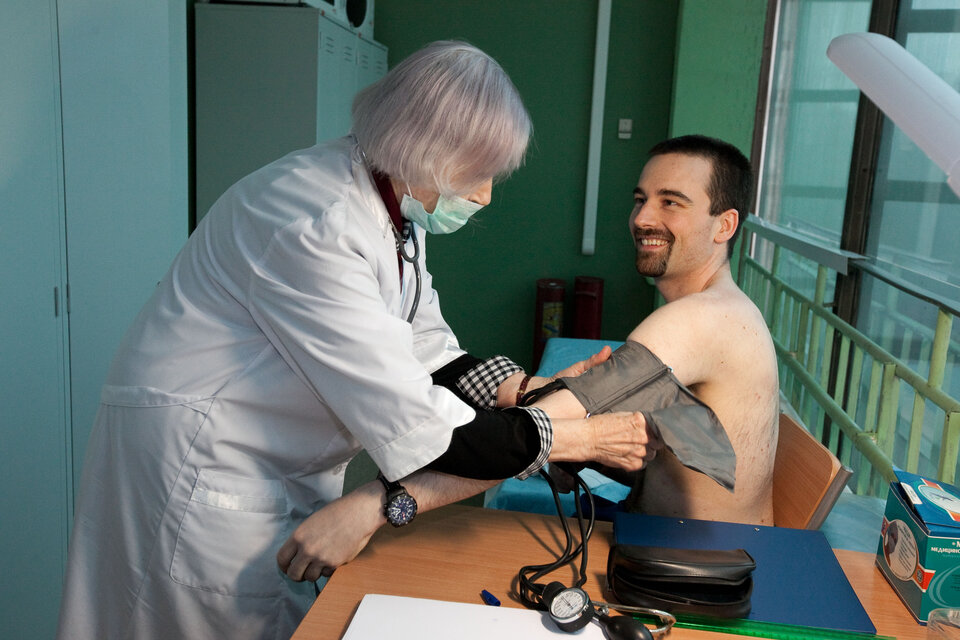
[(447, 117)]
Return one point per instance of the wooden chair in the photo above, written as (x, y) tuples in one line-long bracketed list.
[(807, 478)]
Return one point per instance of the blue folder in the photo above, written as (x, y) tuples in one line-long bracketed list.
[(798, 580)]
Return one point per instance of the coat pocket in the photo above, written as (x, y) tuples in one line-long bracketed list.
[(229, 536)]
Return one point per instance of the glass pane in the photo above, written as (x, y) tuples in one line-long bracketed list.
[(914, 221), (904, 326), (936, 4), (812, 216), (913, 230), (811, 166), (819, 23), (939, 51), (918, 241), (811, 120), (907, 161), (899, 323)]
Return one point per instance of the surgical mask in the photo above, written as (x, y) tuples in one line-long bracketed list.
[(449, 215)]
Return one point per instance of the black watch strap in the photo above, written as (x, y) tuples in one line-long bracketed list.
[(389, 487)]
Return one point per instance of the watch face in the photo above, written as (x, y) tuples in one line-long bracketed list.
[(401, 509)]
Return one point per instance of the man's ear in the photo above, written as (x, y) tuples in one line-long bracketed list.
[(729, 220)]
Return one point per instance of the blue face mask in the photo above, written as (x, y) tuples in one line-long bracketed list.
[(449, 215)]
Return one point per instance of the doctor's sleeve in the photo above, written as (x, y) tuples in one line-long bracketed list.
[(497, 444)]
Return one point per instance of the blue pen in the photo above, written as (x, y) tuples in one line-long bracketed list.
[(489, 598)]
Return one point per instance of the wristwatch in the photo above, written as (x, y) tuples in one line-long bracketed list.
[(399, 507)]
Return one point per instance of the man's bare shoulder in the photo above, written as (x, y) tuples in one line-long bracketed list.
[(718, 302), (698, 332)]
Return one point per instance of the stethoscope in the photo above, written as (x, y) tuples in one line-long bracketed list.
[(571, 608), (400, 239), (408, 232)]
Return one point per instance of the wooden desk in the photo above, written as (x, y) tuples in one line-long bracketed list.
[(454, 552)]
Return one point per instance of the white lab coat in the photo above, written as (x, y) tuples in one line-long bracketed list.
[(274, 349)]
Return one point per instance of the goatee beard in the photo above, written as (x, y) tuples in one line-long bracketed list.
[(652, 266)]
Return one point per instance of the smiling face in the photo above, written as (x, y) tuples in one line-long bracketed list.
[(671, 224)]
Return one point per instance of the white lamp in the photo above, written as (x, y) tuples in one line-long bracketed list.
[(918, 101)]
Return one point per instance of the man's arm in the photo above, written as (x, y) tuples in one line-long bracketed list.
[(678, 334), (502, 440), (508, 390)]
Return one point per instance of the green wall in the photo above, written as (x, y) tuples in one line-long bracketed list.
[(719, 50), (486, 273), (719, 46)]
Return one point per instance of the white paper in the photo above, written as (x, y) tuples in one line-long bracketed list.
[(400, 618)]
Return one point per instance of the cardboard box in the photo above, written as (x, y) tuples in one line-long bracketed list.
[(919, 549)]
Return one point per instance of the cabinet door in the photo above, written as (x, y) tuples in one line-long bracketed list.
[(371, 63), (336, 79), (34, 503), (256, 74), (123, 75)]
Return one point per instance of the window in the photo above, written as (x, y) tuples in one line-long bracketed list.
[(812, 113), (914, 215), (817, 141), (913, 231)]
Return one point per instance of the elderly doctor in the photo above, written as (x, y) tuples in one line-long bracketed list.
[(297, 326)]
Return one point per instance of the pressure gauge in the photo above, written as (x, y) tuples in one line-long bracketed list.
[(571, 609)]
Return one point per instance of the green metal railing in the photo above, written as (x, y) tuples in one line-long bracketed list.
[(851, 392)]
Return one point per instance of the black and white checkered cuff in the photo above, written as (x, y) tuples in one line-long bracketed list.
[(481, 382), (545, 428)]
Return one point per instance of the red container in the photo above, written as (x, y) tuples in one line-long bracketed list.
[(587, 307), (548, 318)]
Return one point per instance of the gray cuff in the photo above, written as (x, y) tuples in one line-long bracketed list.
[(634, 379)]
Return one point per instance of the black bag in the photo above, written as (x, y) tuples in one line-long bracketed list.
[(704, 582)]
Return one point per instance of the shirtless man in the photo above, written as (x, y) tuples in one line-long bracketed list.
[(684, 223), (689, 204)]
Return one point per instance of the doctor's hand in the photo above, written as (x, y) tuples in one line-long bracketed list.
[(332, 536), (622, 440)]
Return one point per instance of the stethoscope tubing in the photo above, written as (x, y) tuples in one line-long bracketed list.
[(408, 231)]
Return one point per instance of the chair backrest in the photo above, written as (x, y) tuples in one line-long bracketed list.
[(807, 478)]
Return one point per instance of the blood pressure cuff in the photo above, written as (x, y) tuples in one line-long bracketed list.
[(634, 379), (714, 583)]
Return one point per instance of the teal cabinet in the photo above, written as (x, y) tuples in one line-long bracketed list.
[(93, 207), (94, 204), (270, 80), (34, 445), (123, 85)]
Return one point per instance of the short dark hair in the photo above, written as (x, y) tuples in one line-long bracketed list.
[(731, 186)]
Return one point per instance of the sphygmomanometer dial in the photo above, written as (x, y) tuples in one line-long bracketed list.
[(571, 609)]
